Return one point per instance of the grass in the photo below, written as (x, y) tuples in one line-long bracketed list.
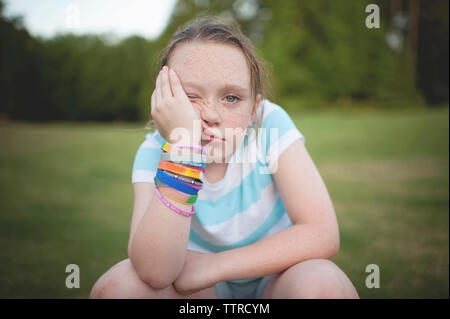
[(66, 197)]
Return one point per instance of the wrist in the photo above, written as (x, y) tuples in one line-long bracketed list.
[(216, 266)]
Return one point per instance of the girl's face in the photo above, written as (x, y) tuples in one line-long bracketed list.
[(216, 79)]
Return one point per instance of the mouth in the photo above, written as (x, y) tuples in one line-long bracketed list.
[(211, 138)]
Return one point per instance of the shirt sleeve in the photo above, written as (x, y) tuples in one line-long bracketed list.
[(279, 132), (147, 158)]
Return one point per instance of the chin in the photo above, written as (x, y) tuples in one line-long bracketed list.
[(217, 153)]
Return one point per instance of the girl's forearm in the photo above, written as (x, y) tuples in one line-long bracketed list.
[(158, 247), (159, 244), (278, 252)]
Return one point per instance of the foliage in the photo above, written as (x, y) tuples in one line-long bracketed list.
[(319, 53)]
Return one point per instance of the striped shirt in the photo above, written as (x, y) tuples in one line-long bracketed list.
[(245, 206)]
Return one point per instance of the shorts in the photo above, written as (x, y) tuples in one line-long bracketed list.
[(253, 289)]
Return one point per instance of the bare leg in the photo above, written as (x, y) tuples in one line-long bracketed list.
[(311, 279), (121, 281)]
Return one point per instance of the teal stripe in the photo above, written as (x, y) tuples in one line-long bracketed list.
[(248, 192), (147, 158), (277, 212), (161, 140), (279, 119)]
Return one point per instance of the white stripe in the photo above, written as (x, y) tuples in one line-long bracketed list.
[(142, 175), (280, 146), (151, 143), (239, 168), (237, 172), (195, 247), (283, 223), (269, 107), (242, 224)]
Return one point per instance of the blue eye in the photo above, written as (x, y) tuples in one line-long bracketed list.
[(232, 98)]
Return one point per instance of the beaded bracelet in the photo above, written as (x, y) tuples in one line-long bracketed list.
[(180, 169), (177, 177), (173, 207), (168, 147), (173, 182), (168, 190), (198, 187)]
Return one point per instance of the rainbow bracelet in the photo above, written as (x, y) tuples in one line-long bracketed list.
[(180, 169), (167, 147)]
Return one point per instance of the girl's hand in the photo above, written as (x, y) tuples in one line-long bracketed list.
[(197, 273), (172, 109)]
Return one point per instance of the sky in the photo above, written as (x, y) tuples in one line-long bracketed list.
[(121, 18)]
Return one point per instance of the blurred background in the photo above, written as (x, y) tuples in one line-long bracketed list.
[(75, 84)]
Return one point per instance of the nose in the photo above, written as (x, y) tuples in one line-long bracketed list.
[(210, 113)]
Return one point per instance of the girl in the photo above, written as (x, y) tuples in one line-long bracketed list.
[(248, 216)]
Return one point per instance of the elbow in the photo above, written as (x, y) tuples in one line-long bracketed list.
[(330, 242), (334, 246), (156, 282), (149, 272), (151, 276), (333, 242)]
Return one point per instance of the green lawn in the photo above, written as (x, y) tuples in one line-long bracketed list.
[(66, 197)]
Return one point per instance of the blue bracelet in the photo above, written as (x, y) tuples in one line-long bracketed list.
[(173, 182)]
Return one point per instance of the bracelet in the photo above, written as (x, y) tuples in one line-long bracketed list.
[(185, 179), (179, 169), (192, 185), (174, 198), (173, 182), (173, 207), (174, 194), (190, 159), (168, 147), (202, 169)]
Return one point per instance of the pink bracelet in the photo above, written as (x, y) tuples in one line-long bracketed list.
[(173, 207), (167, 147), (191, 146)]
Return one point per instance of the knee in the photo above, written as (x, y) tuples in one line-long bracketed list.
[(106, 287), (320, 279), (115, 283)]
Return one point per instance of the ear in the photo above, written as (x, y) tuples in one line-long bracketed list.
[(255, 108)]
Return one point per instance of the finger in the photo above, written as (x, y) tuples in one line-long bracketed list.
[(158, 89), (166, 91), (176, 84), (153, 102)]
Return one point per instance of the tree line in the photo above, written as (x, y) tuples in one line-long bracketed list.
[(318, 53)]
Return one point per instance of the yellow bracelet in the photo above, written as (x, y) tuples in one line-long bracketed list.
[(170, 196)]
